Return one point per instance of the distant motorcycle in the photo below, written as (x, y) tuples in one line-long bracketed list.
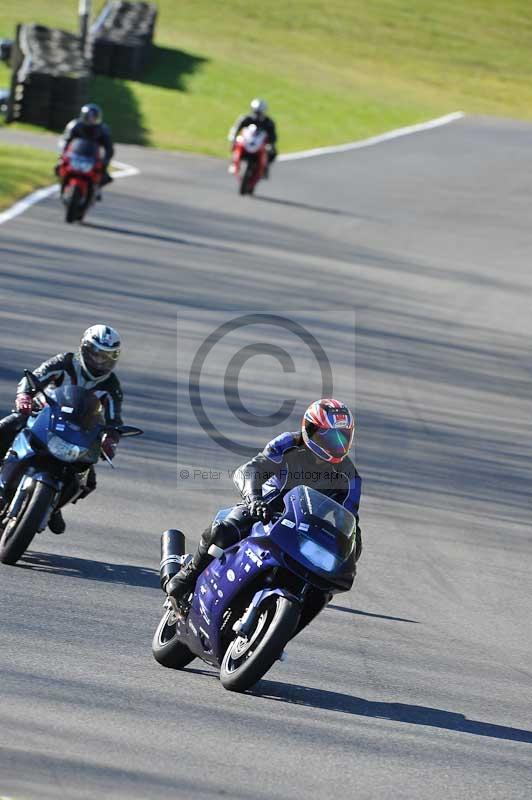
[(48, 462), (250, 158), (256, 595), (81, 170)]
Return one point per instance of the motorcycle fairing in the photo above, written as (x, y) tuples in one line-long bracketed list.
[(74, 418), (68, 406), (296, 534), (216, 588)]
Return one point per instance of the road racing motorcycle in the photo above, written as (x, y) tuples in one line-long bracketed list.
[(250, 158), (81, 170), (48, 462), (259, 593)]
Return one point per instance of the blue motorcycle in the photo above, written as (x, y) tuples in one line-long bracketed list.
[(48, 463), (258, 594)]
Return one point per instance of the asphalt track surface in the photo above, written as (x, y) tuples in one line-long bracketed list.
[(416, 684)]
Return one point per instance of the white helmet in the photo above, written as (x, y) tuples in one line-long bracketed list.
[(99, 350), (259, 106)]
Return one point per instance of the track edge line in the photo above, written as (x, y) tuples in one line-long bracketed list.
[(373, 140)]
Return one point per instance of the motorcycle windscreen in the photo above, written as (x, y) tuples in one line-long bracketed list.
[(78, 407), (84, 148), (322, 529)]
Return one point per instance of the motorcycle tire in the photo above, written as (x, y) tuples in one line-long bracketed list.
[(246, 660), (246, 184), (73, 206), (18, 533), (166, 647)]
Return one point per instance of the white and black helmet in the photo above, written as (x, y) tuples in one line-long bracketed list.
[(99, 350), (91, 114), (259, 106)]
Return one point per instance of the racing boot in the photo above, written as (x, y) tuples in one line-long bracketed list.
[(56, 523), (214, 540), (183, 583)]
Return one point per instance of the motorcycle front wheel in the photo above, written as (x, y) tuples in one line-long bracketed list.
[(74, 205), (247, 659), (246, 184), (18, 533), (166, 646)]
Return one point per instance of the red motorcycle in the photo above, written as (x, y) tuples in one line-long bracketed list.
[(250, 158), (81, 171)]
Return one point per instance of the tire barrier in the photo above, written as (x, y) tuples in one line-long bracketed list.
[(50, 77), (6, 48), (122, 38)]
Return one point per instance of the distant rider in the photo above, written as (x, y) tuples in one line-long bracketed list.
[(90, 367), (315, 456), (90, 126), (257, 116)]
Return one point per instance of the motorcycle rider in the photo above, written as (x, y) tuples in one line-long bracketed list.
[(91, 367), (316, 456), (258, 117), (90, 126)]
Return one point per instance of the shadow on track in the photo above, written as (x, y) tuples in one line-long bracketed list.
[(210, 673), (370, 614), (91, 570), (395, 712), (158, 237), (307, 207)]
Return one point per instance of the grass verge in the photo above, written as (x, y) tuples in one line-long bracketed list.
[(332, 70), (22, 170)]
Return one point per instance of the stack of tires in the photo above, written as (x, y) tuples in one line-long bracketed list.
[(50, 79), (122, 39)]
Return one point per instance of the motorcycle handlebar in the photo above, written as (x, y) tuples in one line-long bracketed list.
[(38, 386)]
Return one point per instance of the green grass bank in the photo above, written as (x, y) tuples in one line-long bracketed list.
[(332, 71), (23, 169)]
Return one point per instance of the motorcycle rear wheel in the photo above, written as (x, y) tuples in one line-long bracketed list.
[(246, 660), (18, 533), (166, 647)]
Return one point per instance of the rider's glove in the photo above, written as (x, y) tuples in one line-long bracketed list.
[(24, 404), (109, 443), (258, 508)]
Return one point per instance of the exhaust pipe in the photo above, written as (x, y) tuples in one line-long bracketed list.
[(172, 555)]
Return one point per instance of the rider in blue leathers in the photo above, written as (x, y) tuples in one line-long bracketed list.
[(316, 456)]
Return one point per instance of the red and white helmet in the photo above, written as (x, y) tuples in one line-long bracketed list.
[(99, 350), (328, 428)]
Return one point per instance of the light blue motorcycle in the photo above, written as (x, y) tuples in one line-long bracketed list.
[(48, 463)]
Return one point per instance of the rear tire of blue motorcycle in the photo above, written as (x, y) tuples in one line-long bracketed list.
[(18, 534), (166, 647), (240, 672)]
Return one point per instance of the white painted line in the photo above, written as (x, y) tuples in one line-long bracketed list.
[(27, 202), (124, 171), (383, 137)]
